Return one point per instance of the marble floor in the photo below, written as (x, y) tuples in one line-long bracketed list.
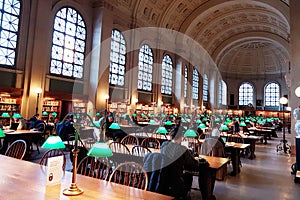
[(267, 177)]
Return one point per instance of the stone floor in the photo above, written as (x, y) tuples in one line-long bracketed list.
[(267, 177)]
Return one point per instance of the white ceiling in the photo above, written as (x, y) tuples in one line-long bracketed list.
[(242, 36)]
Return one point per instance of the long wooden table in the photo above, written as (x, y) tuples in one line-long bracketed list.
[(29, 136), (25, 180)]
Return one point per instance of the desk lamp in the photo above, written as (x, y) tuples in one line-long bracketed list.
[(53, 142), (100, 149), (190, 133), (162, 130), (115, 126), (2, 134), (224, 128)]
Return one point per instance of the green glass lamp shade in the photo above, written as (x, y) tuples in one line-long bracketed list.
[(269, 119), (253, 119), (247, 120), (171, 116), (95, 123), (198, 121), (45, 113), (2, 134), (242, 123), (162, 130), (152, 121), (5, 115), (217, 119), (97, 114), (183, 120), (223, 127), (143, 115), (204, 119), (16, 116), (53, 142), (54, 114), (276, 118), (100, 149), (228, 119), (134, 115), (168, 122), (114, 126), (202, 125), (190, 133)]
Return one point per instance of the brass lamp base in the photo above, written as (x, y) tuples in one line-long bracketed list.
[(73, 190)]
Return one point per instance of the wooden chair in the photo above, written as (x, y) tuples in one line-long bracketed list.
[(131, 174), (17, 149), (130, 139), (140, 151), (151, 142), (52, 153), (119, 148), (94, 167)]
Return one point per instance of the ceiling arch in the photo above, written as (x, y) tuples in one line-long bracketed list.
[(227, 29)]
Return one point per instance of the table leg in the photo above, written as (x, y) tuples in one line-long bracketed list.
[(252, 149), (206, 182), (235, 159)]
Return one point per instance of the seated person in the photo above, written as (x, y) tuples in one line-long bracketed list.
[(22, 124), (182, 159)]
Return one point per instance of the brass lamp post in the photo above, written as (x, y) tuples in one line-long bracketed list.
[(73, 190)]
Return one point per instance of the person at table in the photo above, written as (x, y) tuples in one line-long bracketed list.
[(182, 159), (22, 124)]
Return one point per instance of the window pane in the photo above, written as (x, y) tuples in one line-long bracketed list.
[(9, 16), (272, 94), (167, 72), (205, 88), (195, 84), (68, 44), (245, 94), (117, 59)]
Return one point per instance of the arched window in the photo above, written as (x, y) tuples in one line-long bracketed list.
[(68, 44), (272, 94), (117, 59), (145, 68), (245, 94), (166, 75), (195, 84), (205, 87), (9, 28), (222, 93), (185, 81)]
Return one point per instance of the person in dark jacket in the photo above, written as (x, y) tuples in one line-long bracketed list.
[(181, 159)]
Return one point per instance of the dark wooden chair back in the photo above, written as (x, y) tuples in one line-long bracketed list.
[(17, 149), (94, 167), (130, 174)]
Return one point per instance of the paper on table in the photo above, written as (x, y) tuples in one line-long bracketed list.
[(54, 170)]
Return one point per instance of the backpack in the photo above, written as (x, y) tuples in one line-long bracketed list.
[(65, 130)]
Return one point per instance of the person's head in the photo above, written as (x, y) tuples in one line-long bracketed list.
[(177, 136)]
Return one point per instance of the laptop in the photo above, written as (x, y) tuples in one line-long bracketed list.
[(14, 125)]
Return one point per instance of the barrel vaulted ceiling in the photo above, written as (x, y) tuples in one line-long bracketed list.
[(242, 36)]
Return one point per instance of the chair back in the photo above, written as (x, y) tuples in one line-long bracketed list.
[(17, 149), (119, 148), (94, 167), (235, 138), (131, 174), (138, 150), (151, 142), (130, 139), (52, 153)]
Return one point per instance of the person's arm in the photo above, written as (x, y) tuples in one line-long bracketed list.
[(190, 163)]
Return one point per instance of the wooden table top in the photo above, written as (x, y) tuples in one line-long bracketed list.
[(215, 162), (13, 132), (25, 180)]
